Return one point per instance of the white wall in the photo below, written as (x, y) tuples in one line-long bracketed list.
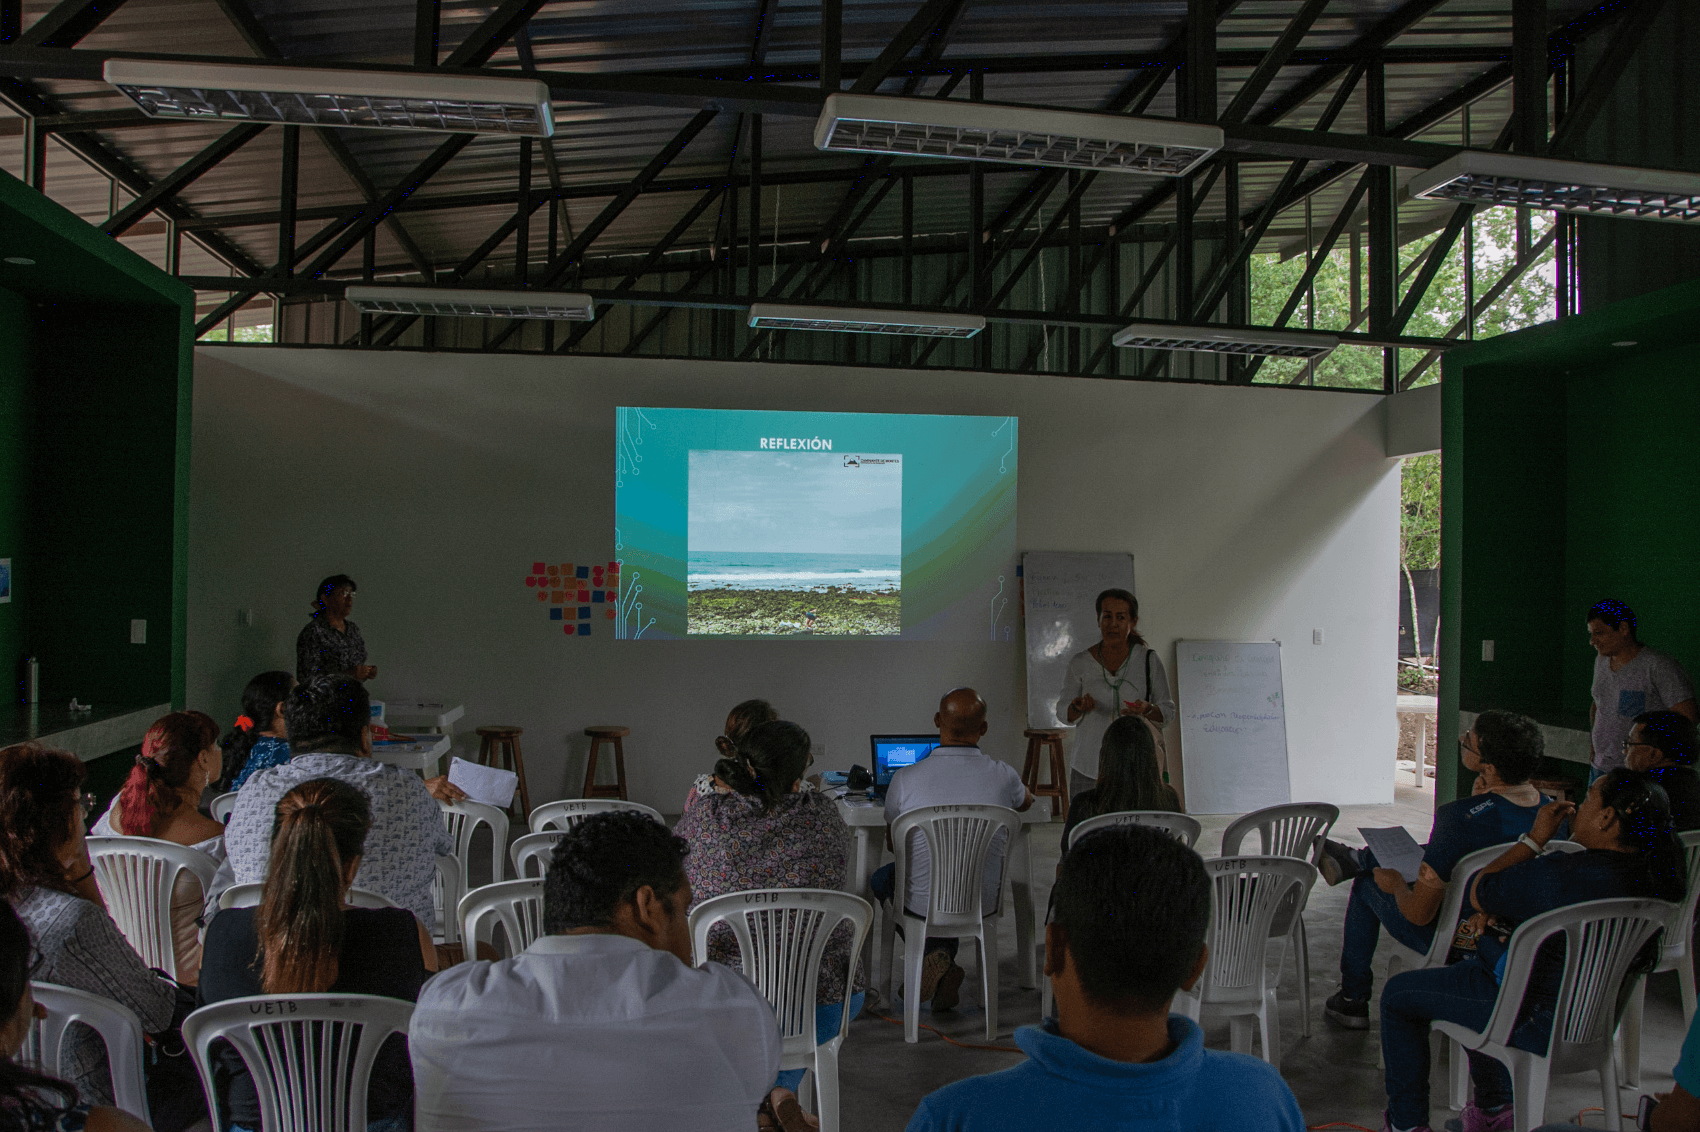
[(437, 479)]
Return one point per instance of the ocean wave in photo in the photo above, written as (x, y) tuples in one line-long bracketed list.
[(870, 573)]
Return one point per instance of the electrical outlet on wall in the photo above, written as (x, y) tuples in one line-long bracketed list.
[(1316, 636), (1487, 650), (138, 631), (245, 618)]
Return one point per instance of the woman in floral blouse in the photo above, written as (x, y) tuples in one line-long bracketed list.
[(771, 832)]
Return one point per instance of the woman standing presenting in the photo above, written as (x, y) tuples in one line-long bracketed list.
[(331, 644), (1118, 676)]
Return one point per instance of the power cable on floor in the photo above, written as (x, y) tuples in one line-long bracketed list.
[(947, 1037)]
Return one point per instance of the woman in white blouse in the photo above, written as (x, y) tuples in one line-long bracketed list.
[(1120, 675)]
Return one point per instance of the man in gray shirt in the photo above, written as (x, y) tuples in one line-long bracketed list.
[(1629, 679)]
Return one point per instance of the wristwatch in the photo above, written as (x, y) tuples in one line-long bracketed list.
[(1536, 846)]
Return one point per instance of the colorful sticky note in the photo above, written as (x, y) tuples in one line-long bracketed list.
[(554, 581), (613, 567), (537, 567), (584, 630), (595, 595), (541, 596), (566, 569), (584, 613), (584, 595), (531, 581), (553, 570), (568, 630), (609, 613), (583, 571), (555, 614), (558, 596)]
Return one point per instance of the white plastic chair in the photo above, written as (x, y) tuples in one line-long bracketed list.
[(221, 806), (136, 876), (568, 812), (1602, 938), (1402, 958), (1179, 826), (781, 934), (1246, 894), (310, 1055), (117, 1026), (533, 849), (446, 891), (1675, 957), (959, 840), (249, 895), (463, 819), (517, 905), (1296, 829)]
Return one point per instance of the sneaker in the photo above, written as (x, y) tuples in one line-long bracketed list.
[(1352, 1013), (1339, 863), (950, 988), (1474, 1119), (933, 968), (1387, 1126)]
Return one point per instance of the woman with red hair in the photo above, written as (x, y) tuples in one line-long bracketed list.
[(161, 798)]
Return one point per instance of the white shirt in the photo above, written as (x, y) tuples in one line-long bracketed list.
[(591, 1032), (952, 776), (1111, 691)]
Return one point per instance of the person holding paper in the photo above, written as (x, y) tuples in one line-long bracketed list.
[(1120, 675), (1503, 748)]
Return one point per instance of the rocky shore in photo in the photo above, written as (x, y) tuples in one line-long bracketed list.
[(839, 612)]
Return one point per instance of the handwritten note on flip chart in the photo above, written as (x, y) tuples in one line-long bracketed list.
[(1233, 725), (1059, 589)]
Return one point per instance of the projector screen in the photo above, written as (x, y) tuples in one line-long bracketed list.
[(740, 523)]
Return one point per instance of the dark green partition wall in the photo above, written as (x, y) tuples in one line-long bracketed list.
[(94, 459), (1572, 473)]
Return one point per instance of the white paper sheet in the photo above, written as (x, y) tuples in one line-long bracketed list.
[(488, 784), (1395, 848)]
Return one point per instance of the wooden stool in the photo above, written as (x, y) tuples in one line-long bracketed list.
[(1057, 788), (598, 736), (498, 745)]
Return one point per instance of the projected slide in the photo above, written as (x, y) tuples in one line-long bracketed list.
[(737, 523)]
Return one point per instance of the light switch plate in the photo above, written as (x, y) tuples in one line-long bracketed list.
[(138, 631), (1487, 650), (1316, 636)]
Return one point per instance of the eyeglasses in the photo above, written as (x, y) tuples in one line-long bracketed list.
[(86, 802), (1466, 748), (1631, 744)]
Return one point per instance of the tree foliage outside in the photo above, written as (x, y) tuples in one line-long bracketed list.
[(261, 333), (1529, 300), (1419, 519)]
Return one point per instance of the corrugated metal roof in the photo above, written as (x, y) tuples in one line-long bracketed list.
[(597, 144)]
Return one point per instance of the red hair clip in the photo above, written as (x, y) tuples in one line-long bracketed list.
[(243, 723)]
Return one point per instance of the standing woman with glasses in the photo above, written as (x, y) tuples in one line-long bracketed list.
[(46, 873), (330, 644), (180, 758)]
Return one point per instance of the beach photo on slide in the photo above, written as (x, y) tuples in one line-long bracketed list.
[(783, 544)]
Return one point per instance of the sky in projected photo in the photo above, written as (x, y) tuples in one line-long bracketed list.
[(796, 503)]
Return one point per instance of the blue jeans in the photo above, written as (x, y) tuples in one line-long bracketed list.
[(827, 1015), (1463, 993), (1367, 912), (883, 884)]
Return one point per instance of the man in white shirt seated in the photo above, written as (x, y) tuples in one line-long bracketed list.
[(603, 1022), (330, 732), (956, 773)]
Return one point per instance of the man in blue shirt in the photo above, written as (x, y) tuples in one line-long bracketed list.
[(1131, 907), (1502, 748)]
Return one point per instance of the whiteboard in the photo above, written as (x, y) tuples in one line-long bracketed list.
[(1233, 725), (1058, 590)]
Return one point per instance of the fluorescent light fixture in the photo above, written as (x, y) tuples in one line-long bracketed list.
[(1279, 343), (855, 320), (441, 301), (1562, 186), (305, 96), (981, 131)]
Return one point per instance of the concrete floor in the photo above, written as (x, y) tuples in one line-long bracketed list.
[(1333, 1072)]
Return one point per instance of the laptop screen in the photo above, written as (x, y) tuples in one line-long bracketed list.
[(894, 752)]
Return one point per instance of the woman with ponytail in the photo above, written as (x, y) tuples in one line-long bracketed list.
[(767, 831), (161, 798), (259, 739), (32, 1101), (305, 939), (1629, 850)]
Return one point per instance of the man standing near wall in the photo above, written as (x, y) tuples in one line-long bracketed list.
[(1629, 678)]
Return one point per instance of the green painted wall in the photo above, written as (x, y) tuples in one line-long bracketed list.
[(94, 409), (1570, 476)]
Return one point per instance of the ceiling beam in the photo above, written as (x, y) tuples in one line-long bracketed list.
[(183, 176), (68, 22)]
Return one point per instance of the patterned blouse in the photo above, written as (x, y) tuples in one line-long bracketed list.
[(800, 843), (266, 752), (322, 651), (47, 1116)]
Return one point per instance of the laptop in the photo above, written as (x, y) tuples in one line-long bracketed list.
[(894, 752)]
